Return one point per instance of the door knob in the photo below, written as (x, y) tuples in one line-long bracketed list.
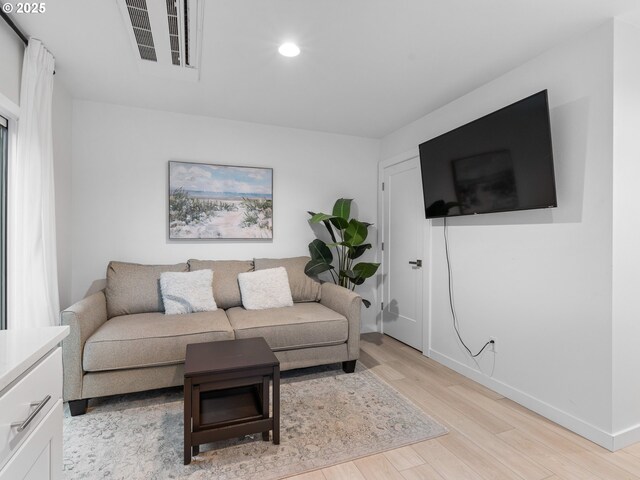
[(417, 263)]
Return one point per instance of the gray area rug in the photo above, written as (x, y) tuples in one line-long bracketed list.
[(327, 417)]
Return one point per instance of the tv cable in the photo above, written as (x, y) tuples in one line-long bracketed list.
[(451, 305)]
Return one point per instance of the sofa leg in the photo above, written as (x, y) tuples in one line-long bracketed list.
[(78, 407), (349, 367)]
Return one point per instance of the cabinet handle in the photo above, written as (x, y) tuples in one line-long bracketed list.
[(417, 263), (39, 406)]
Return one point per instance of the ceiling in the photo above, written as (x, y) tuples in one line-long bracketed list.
[(367, 68)]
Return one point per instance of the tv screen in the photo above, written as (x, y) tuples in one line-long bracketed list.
[(497, 163)]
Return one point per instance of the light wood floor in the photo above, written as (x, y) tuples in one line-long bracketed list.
[(490, 436)]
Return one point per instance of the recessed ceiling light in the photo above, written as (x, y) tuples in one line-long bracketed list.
[(289, 50)]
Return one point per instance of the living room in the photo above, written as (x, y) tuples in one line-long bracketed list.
[(552, 287)]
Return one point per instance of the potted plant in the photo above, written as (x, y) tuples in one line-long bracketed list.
[(348, 237)]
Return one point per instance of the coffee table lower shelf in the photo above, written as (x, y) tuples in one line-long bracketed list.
[(228, 407)]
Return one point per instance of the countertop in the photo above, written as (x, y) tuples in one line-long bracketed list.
[(20, 349)]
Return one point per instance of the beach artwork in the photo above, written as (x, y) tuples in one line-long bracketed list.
[(220, 201)]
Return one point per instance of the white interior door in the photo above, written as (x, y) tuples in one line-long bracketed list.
[(403, 237)]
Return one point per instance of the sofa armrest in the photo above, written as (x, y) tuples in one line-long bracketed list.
[(347, 303), (83, 318)]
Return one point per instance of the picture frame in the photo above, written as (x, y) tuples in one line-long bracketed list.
[(219, 202)]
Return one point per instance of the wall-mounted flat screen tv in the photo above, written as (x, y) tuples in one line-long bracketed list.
[(500, 162)]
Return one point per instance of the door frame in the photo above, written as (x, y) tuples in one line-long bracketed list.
[(425, 254)]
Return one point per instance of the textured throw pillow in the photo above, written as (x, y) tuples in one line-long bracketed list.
[(187, 292), (265, 289), (303, 288)]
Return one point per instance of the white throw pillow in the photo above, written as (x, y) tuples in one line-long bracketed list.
[(265, 289), (187, 292)]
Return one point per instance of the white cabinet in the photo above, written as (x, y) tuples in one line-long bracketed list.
[(31, 404), (40, 456)]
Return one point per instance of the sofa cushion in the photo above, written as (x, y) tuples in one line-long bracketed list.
[(149, 339), (134, 288), (265, 289), (301, 326), (226, 291), (187, 292), (303, 288)]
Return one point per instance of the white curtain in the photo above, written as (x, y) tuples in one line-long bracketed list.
[(32, 283)]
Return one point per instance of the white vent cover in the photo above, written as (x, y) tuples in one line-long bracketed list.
[(139, 16), (174, 31), (165, 36)]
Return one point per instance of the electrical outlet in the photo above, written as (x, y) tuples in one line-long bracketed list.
[(494, 345)]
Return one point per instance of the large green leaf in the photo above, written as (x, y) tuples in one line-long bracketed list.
[(354, 278), (365, 269), (327, 224), (316, 267), (339, 223), (324, 218), (342, 208), (355, 233), (358, 250), (319, 251), (319, 217)]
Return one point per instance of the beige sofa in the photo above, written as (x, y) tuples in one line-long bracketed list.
[(121, 341)]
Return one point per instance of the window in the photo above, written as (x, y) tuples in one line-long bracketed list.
[(4, 141)]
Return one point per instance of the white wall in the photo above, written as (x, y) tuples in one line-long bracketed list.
[(11, 51), (539, 281), (626, 231), (119, 185), (61, 119)]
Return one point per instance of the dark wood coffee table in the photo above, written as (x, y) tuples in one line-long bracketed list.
[(226, 392)]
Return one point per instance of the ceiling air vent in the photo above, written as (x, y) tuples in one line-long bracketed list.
[(139, 16), (174, 32), (165, 36)]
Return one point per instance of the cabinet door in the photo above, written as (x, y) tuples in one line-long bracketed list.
[(42, 466), (40, 456)]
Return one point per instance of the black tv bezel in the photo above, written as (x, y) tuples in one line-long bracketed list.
[(545, 94)]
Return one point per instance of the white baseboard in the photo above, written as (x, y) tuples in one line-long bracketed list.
[(576, 425), (626, 437)]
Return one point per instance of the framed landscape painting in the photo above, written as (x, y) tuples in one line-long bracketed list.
[(220, 201)]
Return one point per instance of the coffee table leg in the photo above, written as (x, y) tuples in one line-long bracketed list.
[(276, 405), (187, 421), (265, 404)]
